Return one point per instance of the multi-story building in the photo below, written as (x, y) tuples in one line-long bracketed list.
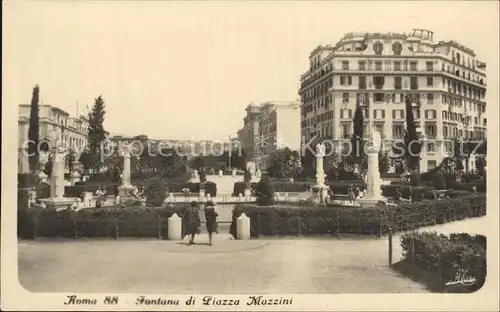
[(51, 118), (445, 81), (268, 127), (248, 135)]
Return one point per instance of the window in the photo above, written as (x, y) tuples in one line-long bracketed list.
[(378, 82), (397, 65), (398, 83), (398, 114), (362, 65), (445, 131), (345, 65), (349, 80), (378, 65), (397, 48), (379, 114), (414, 83), (430, 81), (416, 113), (345, 97), (429, 66), (346, 113), (362, 82), (431, 147), (378, 47), (387, 65), (414, 65), (378, 97), (366, 113), (430, 98), (345, 131), (342, 80), (430, 114), (397, 131)]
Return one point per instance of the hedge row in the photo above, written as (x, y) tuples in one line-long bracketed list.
[(112, 188), (282, 220), (103, 222), (341, 187), (443, 255)]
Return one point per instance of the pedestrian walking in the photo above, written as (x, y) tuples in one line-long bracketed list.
[(193, 223), (211, 219)]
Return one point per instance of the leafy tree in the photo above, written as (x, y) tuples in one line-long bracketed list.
[(96, 132), (48, 166), (247, 177), (170, 163), (357, 152), (383, 161), (154, 191), (439, 181), (308, 165), (70, 159), (480, 165), (86, 159), (197, 163), (264, 192), (33, 130), (284, 163), (114, 165), (412, 141), (203, 176), (415, 178)]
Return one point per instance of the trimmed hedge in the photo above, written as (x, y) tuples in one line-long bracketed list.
[(112, 188), (283, 220), (443, 255), (390, 191), (297, 187), (111, 222)]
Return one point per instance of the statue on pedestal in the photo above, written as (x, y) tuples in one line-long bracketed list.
[(320, 150)]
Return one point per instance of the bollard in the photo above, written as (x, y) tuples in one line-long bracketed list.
[(174, 228), (243, 227)]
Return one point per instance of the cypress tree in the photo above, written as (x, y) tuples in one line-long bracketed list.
[(412, 142), (357, 135), (96, 132), (33, 130)]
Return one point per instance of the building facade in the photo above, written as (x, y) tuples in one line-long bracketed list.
[(445, 80), (51, 118), (270, 126)]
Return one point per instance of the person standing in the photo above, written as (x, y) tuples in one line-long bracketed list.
[(192, 219), (211, 220)]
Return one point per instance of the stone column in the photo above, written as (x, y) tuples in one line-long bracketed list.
[(126, 170), (57, 177), (373, 190), (423, 154), (320, 172)]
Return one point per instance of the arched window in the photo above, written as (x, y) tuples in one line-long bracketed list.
[(397, 48), (378, 47)]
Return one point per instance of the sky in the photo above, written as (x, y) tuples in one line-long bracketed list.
[(187, 70)]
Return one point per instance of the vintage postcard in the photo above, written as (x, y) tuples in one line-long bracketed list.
[(250, 155)]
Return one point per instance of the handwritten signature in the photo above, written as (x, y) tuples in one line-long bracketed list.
[(461, 277)]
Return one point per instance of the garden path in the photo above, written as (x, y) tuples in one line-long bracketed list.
[(284, 265)]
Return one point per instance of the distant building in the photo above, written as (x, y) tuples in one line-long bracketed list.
[(51, 118), (270, 126), (445, 81)]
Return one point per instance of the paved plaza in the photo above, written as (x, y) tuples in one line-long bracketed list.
[(281, 265)]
